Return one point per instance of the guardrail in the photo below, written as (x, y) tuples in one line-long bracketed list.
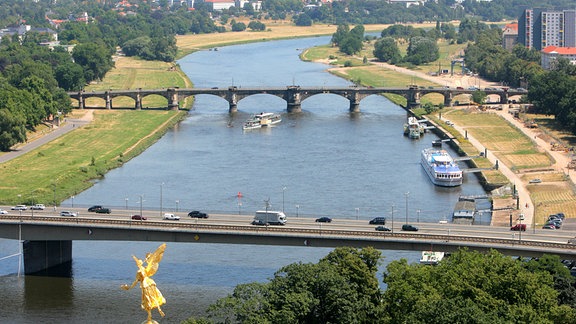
[(272, 230)]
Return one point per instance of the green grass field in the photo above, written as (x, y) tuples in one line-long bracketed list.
[(65, 166)]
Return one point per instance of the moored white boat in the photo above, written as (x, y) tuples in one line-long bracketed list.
[(441, 167), (413, 128), (431, 257)]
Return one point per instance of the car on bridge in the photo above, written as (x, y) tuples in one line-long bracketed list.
[(197, 214), (409, 228), (518, 227), (19, 207), (38, 207), (138, 217), (170, 216), (3, 212), (378, 221), (324, 220), (382, 228), (103, 211), (67, 213), (259, 222), (94, 208)]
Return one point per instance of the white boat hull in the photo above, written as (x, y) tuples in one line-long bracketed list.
[(441, 168)]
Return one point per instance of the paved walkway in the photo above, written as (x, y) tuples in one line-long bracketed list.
[(67, 126)]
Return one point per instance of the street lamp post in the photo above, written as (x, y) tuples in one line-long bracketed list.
[(297, 210), (407, 194), (283, 190), (357, 212), (177, 205), (161, 187), (126, 203), (418, 213), (520, 219), (141, 216), (392, 213), (72, 201)]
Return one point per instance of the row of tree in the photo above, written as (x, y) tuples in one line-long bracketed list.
[(466, 287)]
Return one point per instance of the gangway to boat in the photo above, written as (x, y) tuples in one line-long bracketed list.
[(474, 197), (474, 170)]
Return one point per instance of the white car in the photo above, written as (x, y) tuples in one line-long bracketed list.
[(38, 207), (68, 213), (19, 207), (3, 212), (170, 216)]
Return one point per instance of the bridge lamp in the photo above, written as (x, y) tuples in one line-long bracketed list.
[(161, 187), (283, 190), (406, 194), (357, 212), (297, 210), (126, 201), (177, 205), (72, 201)]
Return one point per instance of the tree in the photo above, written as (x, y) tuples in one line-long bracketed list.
[(340, 288), (386, 50), (303, 19), (94, 58), (479, 96), (470, 287), (70, 76), (341, 33), (12, 129), (422, 50), (256, 25), (238, 26)]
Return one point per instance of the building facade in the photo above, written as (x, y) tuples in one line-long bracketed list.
[(551, 53), (539, 28)]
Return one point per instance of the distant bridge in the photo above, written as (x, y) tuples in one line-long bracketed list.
[(293, 95), (48, 239)]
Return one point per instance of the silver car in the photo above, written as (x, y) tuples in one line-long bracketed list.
[(68, 213)]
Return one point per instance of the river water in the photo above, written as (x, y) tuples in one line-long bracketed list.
[(323, 161)]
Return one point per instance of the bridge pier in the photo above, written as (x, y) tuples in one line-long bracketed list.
[(108, 101), (48, 258), (172, 99), (448, 97), (504, 98), (293, 99), (138, 105)]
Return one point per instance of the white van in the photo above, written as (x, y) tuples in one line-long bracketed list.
[(270, 217)]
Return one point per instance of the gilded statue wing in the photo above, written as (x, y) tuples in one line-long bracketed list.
[(153, 259)]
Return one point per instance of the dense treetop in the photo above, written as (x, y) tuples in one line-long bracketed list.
[(467, 287)]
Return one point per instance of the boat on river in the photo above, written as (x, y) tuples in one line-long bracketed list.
[(267, 119), (431, 257), (263, 119), (251, 124), (441, 167), (413, 128)]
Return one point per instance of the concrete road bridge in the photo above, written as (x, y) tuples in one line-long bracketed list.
[(48, 237), (293, 95)]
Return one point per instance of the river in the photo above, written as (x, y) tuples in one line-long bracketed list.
[(323, 161)]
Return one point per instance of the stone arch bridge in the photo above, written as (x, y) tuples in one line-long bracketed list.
[(293, 95)]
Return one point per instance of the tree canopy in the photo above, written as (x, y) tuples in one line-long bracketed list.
[(466, 287)]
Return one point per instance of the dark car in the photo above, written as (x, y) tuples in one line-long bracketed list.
[(549, 226), (259, 222), (378, 221), (138, 217), (103, 211), (410, 228), (94, 208), (382, 228), (197, 214), (324, 220)]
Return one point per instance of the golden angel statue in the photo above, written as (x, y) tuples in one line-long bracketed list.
[(151, 296)]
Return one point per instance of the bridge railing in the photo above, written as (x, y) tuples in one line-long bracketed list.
[(170, 226)]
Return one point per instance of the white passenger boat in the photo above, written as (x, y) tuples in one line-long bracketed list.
[(413, 128), (267, 119), (441, 167), (251, 124), (431, 257)]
